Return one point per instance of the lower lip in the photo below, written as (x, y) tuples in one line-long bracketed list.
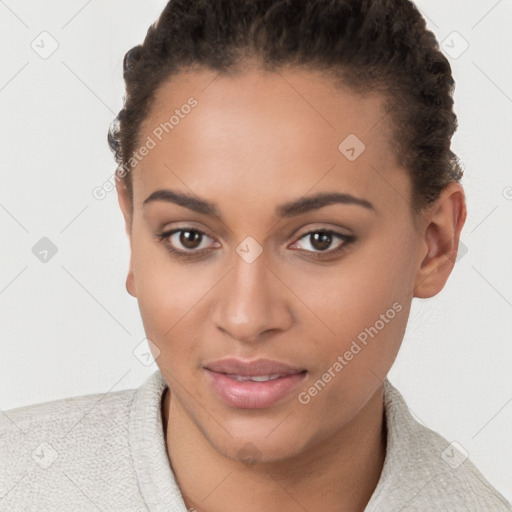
[(253, 395)]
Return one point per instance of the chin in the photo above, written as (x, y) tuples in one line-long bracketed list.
[(262, 445)]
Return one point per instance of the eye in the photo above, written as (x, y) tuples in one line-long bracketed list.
[(190, 242), (186, 241), (323, 242)]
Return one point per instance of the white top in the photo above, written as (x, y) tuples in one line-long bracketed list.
[(107, 452)]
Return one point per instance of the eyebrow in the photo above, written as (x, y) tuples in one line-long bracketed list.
[(289, 209)]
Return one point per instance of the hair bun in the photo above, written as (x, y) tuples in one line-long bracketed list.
[(131, 58)]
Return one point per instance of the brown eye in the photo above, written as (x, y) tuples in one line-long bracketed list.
[(323, 243), (190, 239), (187, 242), (321, 240)]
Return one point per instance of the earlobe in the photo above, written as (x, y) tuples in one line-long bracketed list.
[(444, 222), (130, 281)]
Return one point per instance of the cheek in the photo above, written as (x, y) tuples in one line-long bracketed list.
[(363, 285), (168, 293), (360, 308), (350, 358)]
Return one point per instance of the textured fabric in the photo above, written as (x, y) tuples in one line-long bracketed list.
[(107, 452)]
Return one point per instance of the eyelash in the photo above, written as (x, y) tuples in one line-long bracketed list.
[(346, 239)]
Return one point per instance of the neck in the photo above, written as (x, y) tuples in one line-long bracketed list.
[(340, 473)]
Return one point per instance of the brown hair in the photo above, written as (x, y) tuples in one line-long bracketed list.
[(368, 45)]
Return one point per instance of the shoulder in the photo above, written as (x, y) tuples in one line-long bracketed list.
[(62, 451), (67, 417), (424, 471)]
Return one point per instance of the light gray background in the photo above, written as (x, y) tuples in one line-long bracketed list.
[(70, 328)]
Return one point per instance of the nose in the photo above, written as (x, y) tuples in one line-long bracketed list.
[(252, 302)]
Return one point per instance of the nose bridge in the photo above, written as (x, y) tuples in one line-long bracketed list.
[(249, 302)]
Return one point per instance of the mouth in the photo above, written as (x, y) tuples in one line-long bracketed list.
[(253, 384), (255, 378)]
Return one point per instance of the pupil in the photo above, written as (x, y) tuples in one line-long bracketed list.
[(190, 239), (321, 240)]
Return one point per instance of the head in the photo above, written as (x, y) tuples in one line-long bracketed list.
[(288, 188)]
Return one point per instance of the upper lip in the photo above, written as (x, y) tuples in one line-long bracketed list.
[(253, 368)]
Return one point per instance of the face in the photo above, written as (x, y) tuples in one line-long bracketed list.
[(271, 235)]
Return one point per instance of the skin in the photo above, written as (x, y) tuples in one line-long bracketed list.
[(255, 141)]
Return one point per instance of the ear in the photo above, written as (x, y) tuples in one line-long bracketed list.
[(441, 227), (125, 203)]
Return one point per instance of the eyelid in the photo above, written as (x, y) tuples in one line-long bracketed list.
[(324, 228), (344, 238), (164, 234)]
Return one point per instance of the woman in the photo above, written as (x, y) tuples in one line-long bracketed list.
[(288, 188)]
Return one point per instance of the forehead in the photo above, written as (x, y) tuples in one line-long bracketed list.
[(260, 134)]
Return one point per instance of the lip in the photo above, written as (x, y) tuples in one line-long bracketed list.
[(250, 394), (251, 368)]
